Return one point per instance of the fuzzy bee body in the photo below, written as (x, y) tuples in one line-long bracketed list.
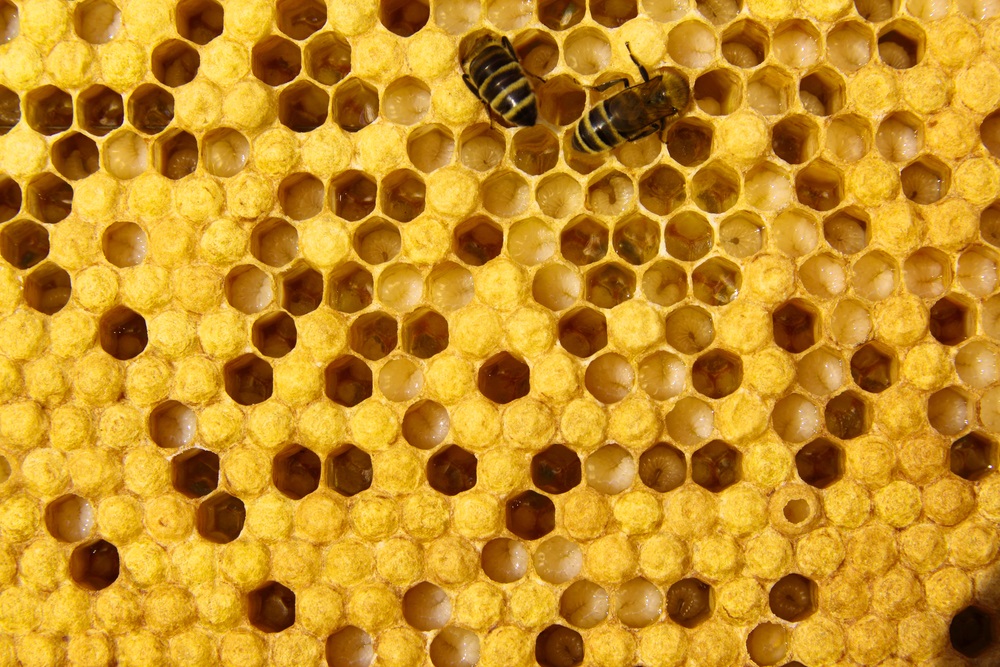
[(494, 75)]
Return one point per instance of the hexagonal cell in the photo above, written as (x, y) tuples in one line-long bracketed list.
[(349, 647), (662, 468), (449, 286), (692, 44), (535, 150), (406, 101), (989, 132), (948, 410), (200, 21), (820, 463), (767, 644), (584, 604), (530, 515), (425, 424), (355, 105), (824, 276), (796, 326), (556, 286), (349, 471), (718, 92), (374, 335), (478, 240), (876, 11), (819, 186), (10, 198), (796, 44), (639, 603), (49, 110), (609, 378), (926, 180), (661, 190), (715, 188), (978, 364), (300, 18), (225, 152), (769, 91), (504, 378), (609, 285), (848, 230), (690, 602), (556, 469), (481, 147), (665, 283), (505, 194), (851, 323), (744, 44), (402, 195), (175, 155), (351, 288), (849, 137), (70, 518), (822, 92), (537, 52), (952, 320), (636, 239), (249, 379), (24, 244), (296, 471), (48, 288), (900, 137), (768, 187), (425, 334), (452, 470), (979, 271), (688, 236), (328, 58), (175, 63), (849, 46), (717, 374), (195, 473), (302, 106), (95, 566), (403, 17), (75, 156), (100, 110), (274, 242), (400, 379), (874, 367), (583, 332), (426, 607), (271, 608), (613, 13), (400, 287), (716, 466), (301, 290), (662, 375), (875, 276), (559, 646), (560, 14), (10, 21), (561, 100), (795, 418), (973, 456), (274, 335), (793, 598), (123, 333), (689, 330), (505, 560), (125, 155), (275, 60), (172, 425), (717, 282), (847, 416), (901, 44), (689, 141), (150, 108), (690, 421), (352, 195), (972, 631), (795, 139), (928, 273), (248, 289), (377, 241), (587, 51), (348, 381), (584, 241), (430, 147)]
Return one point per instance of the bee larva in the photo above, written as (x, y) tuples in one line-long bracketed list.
[(494, 75), (632, 114)]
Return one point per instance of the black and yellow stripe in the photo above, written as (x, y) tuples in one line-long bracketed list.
[(595, 133), (497, 78)]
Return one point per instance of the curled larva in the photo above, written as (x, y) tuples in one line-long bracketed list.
[(611, 195), (610, 469), (559, 196), (505, 194), (767, 188), (979, 10), (948, 411), (430, 147), (791, 598), (978, 364), (875, 276), (557, 560), (609, 378), (426, 607), (740, 55), (897, 140), (846, 140), (377, 241), (558, 645), (850, 323), (927, 273), (689, 601), (96, 22), (895, 55), (795, 419), (249, 289), (766, 98), (689, 330), (690, 421), (400, 380), (125, 155), (811, 103), (846, 233), (505, 560), (718, 11), (692, 44), (406, 101), (662, 375), (662, 468), (349, 647), (584, 604), (226, 152), (556, 286), (400, 287), (849, 46), (639, 603), (455, 647), (425, 424), (930, 10), (921, 184), (796, 47), (531, 241), (794, 233), (481, 147), (587, 51), (823, 276), (977, 271), (874, 11), (180, 162), (821, 372)]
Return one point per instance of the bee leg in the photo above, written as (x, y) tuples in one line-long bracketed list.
[(475, 91), (510, 47), (642, 70), (646, 131)]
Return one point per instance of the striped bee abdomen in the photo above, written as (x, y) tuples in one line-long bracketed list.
[(595, 133), (496, 77)]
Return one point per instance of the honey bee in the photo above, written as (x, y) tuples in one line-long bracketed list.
[(632, 114), (494, 75)]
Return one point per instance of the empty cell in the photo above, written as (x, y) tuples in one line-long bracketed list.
[(449, 286), (374, 335), (481, 147), (822, 92), (452, 470), (609, 285), (300, 18), (824, 276), (559, 646), (274, 242), (47, 289), (973, 456), (504, 560), (661, 190), (195, 473), (175, 155), (901, 44), (349, 647), (587, 51), (328, 58), (689, 330), (352, 195), (584, 241), (530, 515), (349, 471), (100, 110), (70, 518), (795, 139), (75, 156), (377, 241), (989, 132), (715, 188), (927, 273), (403, 17), (561, 100), (200, 21), (820, 463), (560, 14), (688, 236), (952, 320), (10, 105), (175, 63), (665, 283), (248, 289), (348, 381), (849, 46), (296, 471), (977, 271), (614, 13), (768, 187), (795, 418), (355, 105), (275, 60), (690, 421), (875, 276), (123, 333), (767, 644), (303, 106), (150, 108), (689, 141), (95, 566), (795, 325), (875, 11), (271, 608), (716, 466), (426, 606), (406, 101), (769, 91), (503, 378), (718, 92), (847, 416), (610, 470), (717, 374), (949, 410), (972, 631), (850, 323), (301, 196), (49, 110), (796, 44), (535, 150), (400, 379), (249, 379), (556, 469), (425, 333), (662, 375), (793, 598), (821, 371), (662, 468), (225, 152), (220, 518), (690, 602), (9, 21), (301, 290), (692, 44), (125, 155), (425, 424), (400, 287), (978, 364), (583, 332), (925, 181), (402, 195), (530, 242), (741, 235), (274, 335), (745, 44), (584, 604), (454, 647), (430, 147), (24, 244), (537, 52), (636, 239), (819, 186)]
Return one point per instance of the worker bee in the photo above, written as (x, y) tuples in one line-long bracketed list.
[(494, 75), (632, 114)]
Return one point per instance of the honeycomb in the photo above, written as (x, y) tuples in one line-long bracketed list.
[(305, 359)]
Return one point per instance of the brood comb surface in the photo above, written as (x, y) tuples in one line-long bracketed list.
[(304, 359)]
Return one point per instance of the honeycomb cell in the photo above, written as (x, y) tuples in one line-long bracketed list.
[(374, 335), (973, 456), (95, 566), (688, 236), (690, 421), (661, 190), (349, 471), (769, 91), (689, 330), (793, 598), (822, 92), (400, 379), (175, 154), (561, 100), (504, 560), (690, 602), (377, 241), (195, 473), (403, 17), (274, 335), (584, 241), (639, 603), (952, 320), (296, 471), (303, 106), (795, 139), (718, 92), (876, 11), (849, 46), (351, 288), (248, 289), (352, 195), (328, 58), (150, 108), (249, 379), (613, 13), (556, 469), (225, 152), (449, 286), (430, 147), (610, 470), (609, 378), (848, 231), (767, 644), (874, 367), (587, 51), (504, 378), (200, 21), (901, 44), (47, 289), (820, 463), (795, 418), (75, 156), (819, 186), (978, 364), (100, 110), (220, 518), (535, 150), (123, 333), (715, 189), (406, 101), (850, 323), (349, 647), (900, 137), (400, 287), (875, 276), (530, 515), (172, 424), (716, 466), (537, 52), (402, 195), (506, 194), (636, 239), (584, 604), (275, 60), (926, 180), (299, 19), (949, 410), (978, 271), (795, 325), (796, 44), (689, 141), (927, 273), (69, 518), (989, 132), (271, 608), (583, 332), (48, 110), (10, 104), (717, 374), (124, 244), (745, 44), (481, 147), (425, 333), (425, 424), (426, 607), (301, 290), (24, 244), (972, 631), (530, 242), (662, 375), (175, 63), (559, 646), (692, 44), (9, 21), (355, 104), (125, 155), (454, 647), (609, 285), (847, 416), (716, 282), (662, 467), (452, 470), (560, 14)]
